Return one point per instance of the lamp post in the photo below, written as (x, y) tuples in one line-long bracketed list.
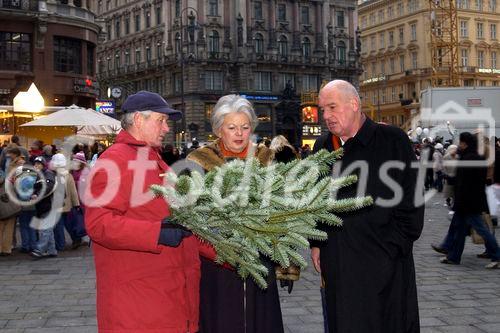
[(190, 27)]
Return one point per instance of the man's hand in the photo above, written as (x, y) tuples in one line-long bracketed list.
[(315, 259), (172, 234)]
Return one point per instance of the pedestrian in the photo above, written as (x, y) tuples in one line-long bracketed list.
[(4, 160), (470, 203), (367, 263), (229, 304), (35, 151), (427, 152), (47, 152), (67, 183), (449, 172), (437, 166), (80, 171), (147, 269), (45, 219), (25, 181)]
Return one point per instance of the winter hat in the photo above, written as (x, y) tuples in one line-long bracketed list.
[(438, 146), (41, 160), (80, 157), (47, 149), (58, 161)]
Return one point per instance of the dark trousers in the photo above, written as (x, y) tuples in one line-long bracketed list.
[(28, 234), (475, 221)]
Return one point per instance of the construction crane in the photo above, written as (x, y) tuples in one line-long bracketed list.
[(444, 43)]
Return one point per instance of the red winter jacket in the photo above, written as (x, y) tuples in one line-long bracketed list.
[(141, 286)]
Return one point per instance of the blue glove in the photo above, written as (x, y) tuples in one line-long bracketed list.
[(172, 234)]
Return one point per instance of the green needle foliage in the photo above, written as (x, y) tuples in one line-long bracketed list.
[(246, 210)]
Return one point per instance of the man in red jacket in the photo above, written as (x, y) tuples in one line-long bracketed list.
[(147, 271)]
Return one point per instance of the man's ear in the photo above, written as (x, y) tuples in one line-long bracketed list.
[(355, 104), (138, 119)]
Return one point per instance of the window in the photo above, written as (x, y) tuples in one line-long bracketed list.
[(213, 42), (493, 5), (117, 59), (108, 30), (479, 5), (374, 66), (213, 7), (127, 57), (177, 8), (147, 17), (306, 48), (373, 43), (382, 40), (465, 57), (283, 46), (480, 59), (177, 82), (363, 22), (393, 94), (401, 63), (341, 52), (213, 80), (392, 65), (480, 32), (16, 4), (304, 15), (137, 22), (262, 81), (464, 29), (380, 16), (372, 19), (401, 35), (414, 60), (310, 82), (287, 78), (463, 4), (390, 12), (413, 29), (412, 5), (391, 38), (259, 44), (340, 19), (15, 51), (127, 25), (159, 50), (400, 9), (158, 15), (67, 55), (382, 67), (493, 31), (281, 12), (493, 60), (257, 10), (149, 55), (138, 58), (90, 59), (117, 27), (110, 64)]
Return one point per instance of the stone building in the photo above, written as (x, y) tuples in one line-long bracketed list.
[(193, 52), (396, 56), (52, 44)]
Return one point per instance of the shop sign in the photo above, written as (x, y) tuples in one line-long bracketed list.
[(260, 97), (105, 106), (311, 130), (86, 86)]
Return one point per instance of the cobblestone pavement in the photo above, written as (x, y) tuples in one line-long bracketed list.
[(58, 295)]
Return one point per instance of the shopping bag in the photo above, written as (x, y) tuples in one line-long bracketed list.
[(79, 222), (491, 197)]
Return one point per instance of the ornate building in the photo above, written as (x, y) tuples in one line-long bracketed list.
[(396, 52), (51, 43), (193, 52)]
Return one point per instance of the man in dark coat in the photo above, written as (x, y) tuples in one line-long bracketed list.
[(470, 202), (367, 263)]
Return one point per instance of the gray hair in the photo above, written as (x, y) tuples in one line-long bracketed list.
[(346, 89), (127, 120), (232, 104)]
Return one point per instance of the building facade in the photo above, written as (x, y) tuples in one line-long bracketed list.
[(396, 53), (193, 52), (52, 44)]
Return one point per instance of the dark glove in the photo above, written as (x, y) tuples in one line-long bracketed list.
[(287, 283), (172, 234)]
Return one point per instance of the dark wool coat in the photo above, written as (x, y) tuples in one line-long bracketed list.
[(367, 263), (470, 195), (227, 303)]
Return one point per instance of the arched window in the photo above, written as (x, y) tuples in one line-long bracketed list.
[(259, 44), (283, 46), (306, 48), (178, 43), (213, 42), (341, 52)]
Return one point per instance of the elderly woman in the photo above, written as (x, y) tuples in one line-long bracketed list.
[(229, 304)]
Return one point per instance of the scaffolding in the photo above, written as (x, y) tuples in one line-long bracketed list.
[(444, 43)]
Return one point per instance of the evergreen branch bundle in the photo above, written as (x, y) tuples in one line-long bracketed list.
[(246, 210)]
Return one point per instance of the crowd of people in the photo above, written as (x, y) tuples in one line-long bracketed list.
[(41, 178)]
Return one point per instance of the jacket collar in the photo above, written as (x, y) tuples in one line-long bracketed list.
[(366, 132), (126, 138)]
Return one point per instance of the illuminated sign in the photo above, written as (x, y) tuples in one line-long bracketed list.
[(86, 86), (311, 130), (374, 79), (474, 102), (105, 107), (488, 70), (260, 98), (310, 114)]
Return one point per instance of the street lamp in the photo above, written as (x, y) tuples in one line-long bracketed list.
[(191, 28)]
